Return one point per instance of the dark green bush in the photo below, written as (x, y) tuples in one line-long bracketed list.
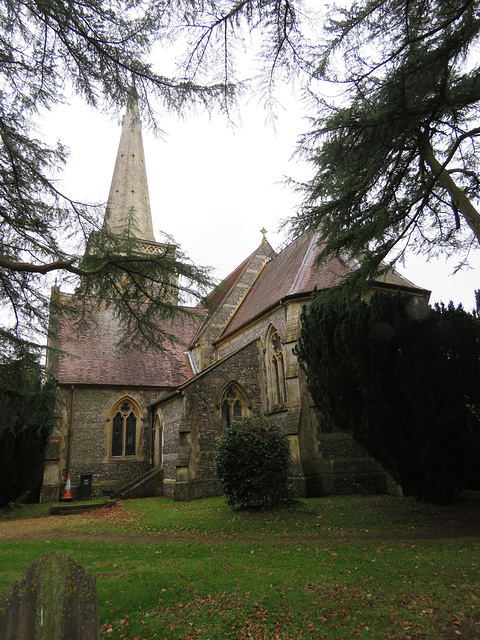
[(252, 464), (25, 426), (404, 381)]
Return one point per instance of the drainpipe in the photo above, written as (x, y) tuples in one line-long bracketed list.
[(70, 433), (192, 361)]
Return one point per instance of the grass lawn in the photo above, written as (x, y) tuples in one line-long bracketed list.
[(334, 568)]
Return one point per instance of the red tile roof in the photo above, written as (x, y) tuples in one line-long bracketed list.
[(215, 298), (295, 271), (96, 358), (218, 295), (214, 301)]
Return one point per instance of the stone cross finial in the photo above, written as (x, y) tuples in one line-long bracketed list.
[(264, 231)]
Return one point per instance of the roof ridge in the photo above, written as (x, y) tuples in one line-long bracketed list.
[(242, 298), (307, 258)]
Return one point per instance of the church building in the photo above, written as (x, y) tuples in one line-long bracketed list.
[(148, 423)]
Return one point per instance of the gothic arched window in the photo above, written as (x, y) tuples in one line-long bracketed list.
[(277, 392), (158, 443), (233, 405), (124, 429)]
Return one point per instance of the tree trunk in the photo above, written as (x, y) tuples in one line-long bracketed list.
[(444, 179)]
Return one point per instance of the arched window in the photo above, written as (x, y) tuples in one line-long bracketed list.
[(277, 392), (233, 405), (124, 429), (158, 443)]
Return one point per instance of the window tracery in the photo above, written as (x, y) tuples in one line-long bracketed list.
[(277, 391), (233, 405), (124, 430)]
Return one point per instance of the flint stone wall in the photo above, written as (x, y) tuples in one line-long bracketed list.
[(91, 437)]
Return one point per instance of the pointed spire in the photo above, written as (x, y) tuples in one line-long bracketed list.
[(128, 202)]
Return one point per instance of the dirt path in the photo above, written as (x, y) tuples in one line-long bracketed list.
[(454, 523), (39, 528)]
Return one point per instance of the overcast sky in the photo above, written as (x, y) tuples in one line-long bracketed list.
[(214, 187)]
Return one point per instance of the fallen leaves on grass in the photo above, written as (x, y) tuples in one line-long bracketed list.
[(117, 514)]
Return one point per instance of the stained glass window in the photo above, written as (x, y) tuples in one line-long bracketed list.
[(237, 411), (226, 419), (130, 433), (117, 435)]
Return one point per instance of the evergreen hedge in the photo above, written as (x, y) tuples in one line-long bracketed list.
[(404, 379)]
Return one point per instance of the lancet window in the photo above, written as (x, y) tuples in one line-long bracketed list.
[(233, 405), (124, 429), (277, 392)]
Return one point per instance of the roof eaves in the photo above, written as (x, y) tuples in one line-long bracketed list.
[(301, 295), (409, 286), (306, 295), (179, 390), (167, 396)]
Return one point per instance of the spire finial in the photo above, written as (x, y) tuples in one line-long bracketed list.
[(264, 231)]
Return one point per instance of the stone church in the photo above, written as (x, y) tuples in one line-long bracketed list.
[(147, 423)]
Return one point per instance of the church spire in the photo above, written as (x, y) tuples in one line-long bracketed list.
[(128, 206)]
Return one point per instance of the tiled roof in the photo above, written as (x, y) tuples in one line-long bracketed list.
[(215, 298), (294, 271), (96, 358), (218, 295), (234, 285)]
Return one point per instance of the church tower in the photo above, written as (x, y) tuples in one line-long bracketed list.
[(105, 387), (128, 208), (128, 217)]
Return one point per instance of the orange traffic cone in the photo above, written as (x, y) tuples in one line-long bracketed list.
[(67, 494)]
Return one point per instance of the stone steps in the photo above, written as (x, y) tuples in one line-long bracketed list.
[(70, 508), (148, 484)]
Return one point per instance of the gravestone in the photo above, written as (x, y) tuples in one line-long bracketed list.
[(55, 600)]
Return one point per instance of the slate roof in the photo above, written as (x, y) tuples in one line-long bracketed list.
[(96, 358), (294, 272)]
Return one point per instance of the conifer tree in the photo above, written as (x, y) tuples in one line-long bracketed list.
[(50, 49), (395, 151), (25, 425), (402, 378)]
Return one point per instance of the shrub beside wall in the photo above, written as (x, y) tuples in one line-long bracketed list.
[(252, 464)]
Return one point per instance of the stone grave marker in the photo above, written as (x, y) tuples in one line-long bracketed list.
[(55, 600)]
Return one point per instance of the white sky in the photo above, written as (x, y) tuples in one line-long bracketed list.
[(213, 187)]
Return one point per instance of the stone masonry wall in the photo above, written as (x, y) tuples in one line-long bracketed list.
[(90, 437), (199, 420), (171, 418), (258, 330)]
